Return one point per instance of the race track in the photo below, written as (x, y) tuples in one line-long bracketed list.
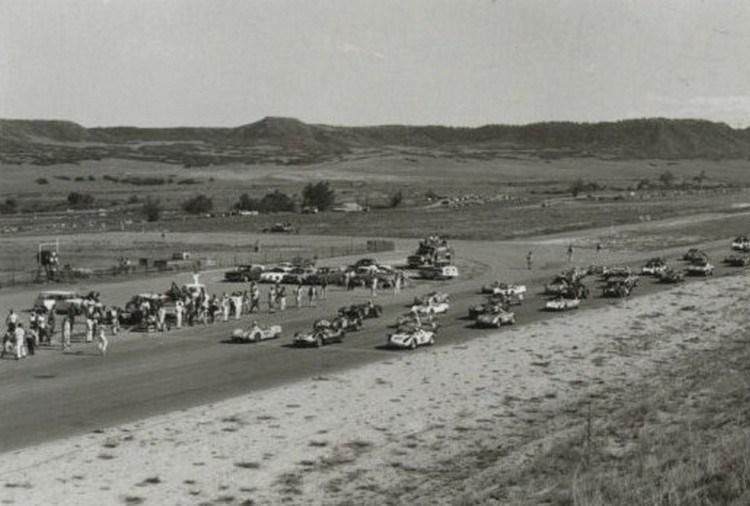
[(53, 395)]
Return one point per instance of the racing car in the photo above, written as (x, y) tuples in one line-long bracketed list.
[(362, 311), (498, 288), (558, 285), (411, 337), (741, 243), (654, 267), (617, 288), (622, 271), (562, 304), (737, 261), (694, 254), (431, 297), (701, 267), (671, 276), (322, 333), (492, 301), (255, 334), (431, 309), (347, 322), (496, 317)]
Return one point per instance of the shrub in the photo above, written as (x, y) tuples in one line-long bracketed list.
[(667, 178), (92, 178), (247, 203), (10, 206), (200, 204), (80, 200), (151, 209), (80, 178), (397, 198), (276, 202), (63, 178), (42, 180), (134, 199), (319, 195)]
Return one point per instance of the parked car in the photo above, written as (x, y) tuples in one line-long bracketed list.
[(741, 243), (737, 261), (59, 301), (283, 228), (244, 273), (439, 272), (274, 275), (694, 254), (498, 288), (700, 268), (671, 276), (327, 275)]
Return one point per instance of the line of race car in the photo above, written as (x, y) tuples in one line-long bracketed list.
[(567, 290)]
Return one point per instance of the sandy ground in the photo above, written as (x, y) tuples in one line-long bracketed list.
[(406, 430)]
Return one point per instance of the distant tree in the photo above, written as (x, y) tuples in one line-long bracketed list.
[(42, 180), (700, 178), (577, 186), (200, 204), (134, 199), (276, 202), (92, 178), (319, 195), (643, 184), (151, 209), (10, 206), (247, 203), (397, 198), (667, 178), (78, 200)]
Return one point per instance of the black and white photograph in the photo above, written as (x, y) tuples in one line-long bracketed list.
[(374, 252)]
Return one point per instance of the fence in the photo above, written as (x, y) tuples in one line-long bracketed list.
[(266, 255)]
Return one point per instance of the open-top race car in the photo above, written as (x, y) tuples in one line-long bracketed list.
[(671, 276), (496, 317), (347, 322), (741, 243), (700, 267), (323, 332), (694, 254), (558, 285), (493, 301), (431, 298), (616, 288), (562, 304), (616, 271), (283, 228), (737, 261), (498, 288), (654, 267), (362, 311), (411, 336), (434, 308), (256, 333)]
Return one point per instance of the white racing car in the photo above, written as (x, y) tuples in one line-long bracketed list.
[(432, 309), (496, 318), (654, 266), (255, 334), (411, 337), (562, 304), (431, 298), (498, 288), (700, 268)]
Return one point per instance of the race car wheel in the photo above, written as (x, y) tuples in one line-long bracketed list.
[(318, 342), (255, 337), (431, 341), (413, 344)]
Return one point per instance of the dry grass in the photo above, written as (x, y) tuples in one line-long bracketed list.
[(680, 438)]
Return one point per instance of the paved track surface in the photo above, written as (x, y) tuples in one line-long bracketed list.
[(53, 395)]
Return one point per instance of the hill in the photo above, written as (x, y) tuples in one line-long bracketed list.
[(291, 141)]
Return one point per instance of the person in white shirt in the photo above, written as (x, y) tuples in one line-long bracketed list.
[(66, 330), (224, 307), (179, 308), (102, 342), (11, 320), (20, 335)]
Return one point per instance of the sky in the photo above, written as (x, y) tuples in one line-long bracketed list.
[(373, 62)]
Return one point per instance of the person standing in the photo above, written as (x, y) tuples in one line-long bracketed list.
[(224, 307), (20, 336), (51, 324), (529, 259), (11, 320), (254, 298), (396, 285), (323, 287), (570, 253), (237, 299), (311, 295), (114, 320), (89, 325), (161, 318), (374, 287), (298, 296), (272, 299), (281, 296), (66, 330), (179, 308), (102, 342)]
